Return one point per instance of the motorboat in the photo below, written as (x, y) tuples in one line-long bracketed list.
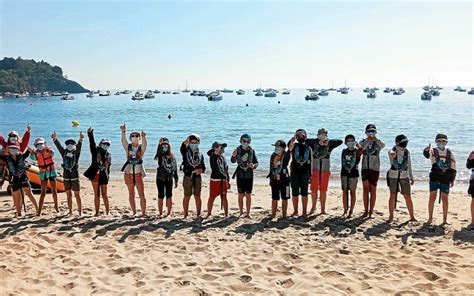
[(138, 96), (323, 93), (214, 96), (312, 97), (149, 95), (426, 96), (270, 94), (240, 92), (372, 95)]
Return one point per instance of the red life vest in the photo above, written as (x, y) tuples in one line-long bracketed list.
[(45, 161)]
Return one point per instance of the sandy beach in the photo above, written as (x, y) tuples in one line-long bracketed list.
[(316, 255)]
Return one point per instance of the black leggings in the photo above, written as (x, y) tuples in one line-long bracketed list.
[(164, 186)]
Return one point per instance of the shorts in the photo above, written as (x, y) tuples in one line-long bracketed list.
[(192, 185), (72, 184), (217, 187), (280, 189), (18, 182), (404, 186), (244, 185), (129, 180), (320, 180), (443, 187), (48, 175), (100, 178), (470, 190), (370, 175), (299, 184), (165, 188), (352, 183)]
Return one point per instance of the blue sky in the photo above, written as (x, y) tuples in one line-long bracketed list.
[(161, 44)]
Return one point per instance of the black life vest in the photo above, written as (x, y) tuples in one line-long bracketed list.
[(400, 166), (70, 161), (440, 164), (133, 158), (244, 160), (348, 161)]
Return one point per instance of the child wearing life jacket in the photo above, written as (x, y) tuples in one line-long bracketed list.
[(133, 169), (99, 170), (279, 177), (350, 159), (370, 168), (192, 166), (400, 176), (247, 162), (166, 172), (442, 174), (470, 191), (3, 168), (17, 166), (44, 156), (322, 147), (300, 169), (14, 137), (219, 183), (70, 165)]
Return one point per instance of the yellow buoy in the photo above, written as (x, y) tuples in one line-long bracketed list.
[(75, 123)]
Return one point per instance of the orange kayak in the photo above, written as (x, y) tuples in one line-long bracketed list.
[(33, 176)]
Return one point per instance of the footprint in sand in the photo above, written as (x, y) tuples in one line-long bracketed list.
[(288, 283), (331, 273), (245, 278), (430, 276)]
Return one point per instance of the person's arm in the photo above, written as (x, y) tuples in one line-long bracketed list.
[(26, 139), (144, 143), (333, 143), (254, 160), (182, 149), (409, 169), (59, 146), (233, 158), (79, 148), (26, 154), (203, 164), (3, 142), (175, 173), (291, 144), (124, 140), (92, 145), (427, 151), (213, 163), (380, 143)]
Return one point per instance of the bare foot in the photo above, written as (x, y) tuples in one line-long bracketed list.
[(412, 219), (312, 211), (364, 215), (295, 214)]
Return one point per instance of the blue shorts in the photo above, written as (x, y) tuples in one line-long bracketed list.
[(48, 175), (434, 186)]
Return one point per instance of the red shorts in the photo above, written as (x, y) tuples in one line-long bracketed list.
[(320, 181), (217, 187), (129, 179)]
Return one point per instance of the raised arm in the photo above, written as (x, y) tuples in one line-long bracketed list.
[(26, 138), (79, 145), (123, 127), (92, 145), (57, 143), (144, 142)]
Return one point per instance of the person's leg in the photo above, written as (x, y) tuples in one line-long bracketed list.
[(225, 204), (444, 199), (323, 187), (274, 207), (186, 200), (105, 197), (69, 201), (77, 194), (241, 203), (365, 196), (44, 184), (304, 193), (431, 203), (472, 211), (295, 206), (344, 202), (275, 189), (169, 195), (248, 203), (391, 207), (314, 191), (198, 202), (304, 203), (353, 202), (17, 201), (169, 206), (409, 204), (95, 187), (210, 203), (284, 207), (131, 198), (160, 185), (373, 198), (55, 194), (141, 193), (27, 192)]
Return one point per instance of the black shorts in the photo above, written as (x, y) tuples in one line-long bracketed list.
[(370, 175), (470, 190), (280, 189), (244, 185), (18, 182), (165, 188)]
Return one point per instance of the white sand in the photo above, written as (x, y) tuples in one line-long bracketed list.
[(320, 254)]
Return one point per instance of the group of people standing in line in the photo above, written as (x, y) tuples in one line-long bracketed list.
[(295, 165)]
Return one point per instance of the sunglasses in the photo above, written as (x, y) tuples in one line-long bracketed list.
[(245, 141), (442, 141), (134, 136), (106, 144)]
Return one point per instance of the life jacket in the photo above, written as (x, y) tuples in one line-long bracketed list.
[(133, 158), (168, 164), (440, 164), (45, 161), (222, 165), (349, 161), (70, 161), (244, 160), (400, 166), (321, 152), (372, 150), (301, 158), (193, 158), (276, 171), (17, 167), (103, 161)]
